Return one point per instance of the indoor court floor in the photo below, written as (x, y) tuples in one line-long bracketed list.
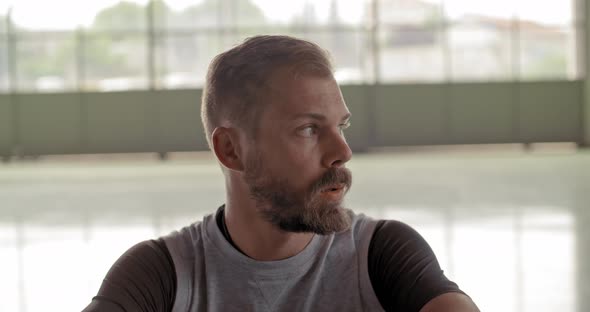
[(509, 226)]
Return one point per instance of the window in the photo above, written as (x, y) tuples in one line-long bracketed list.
[(307, 13), (419, 13), (3, 20), (45, 62), (480, 11), (547, 12), (182, 60), (31, 15), (489, 48), (108, 45), (547, 53), (115, 62), (411, 53), (348, 52), (192, 15), (524, 40), (122, 16), (4, 71)]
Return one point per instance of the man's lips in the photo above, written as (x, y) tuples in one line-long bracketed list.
[(334, 188)]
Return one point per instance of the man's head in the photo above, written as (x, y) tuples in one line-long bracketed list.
[(238, 79), (274, 116)]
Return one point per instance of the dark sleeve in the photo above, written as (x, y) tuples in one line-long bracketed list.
[(403, 269), (142, 279)]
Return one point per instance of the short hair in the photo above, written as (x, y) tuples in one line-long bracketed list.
[(237, 77)]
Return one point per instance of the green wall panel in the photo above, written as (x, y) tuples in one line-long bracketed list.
[(6, 125), (384, 115), (411, 115), (359, 104), (120, 122), (482, 113), (178, 116), (49, 123), (550, 111)]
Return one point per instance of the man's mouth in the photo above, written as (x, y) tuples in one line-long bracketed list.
[(334, 188)]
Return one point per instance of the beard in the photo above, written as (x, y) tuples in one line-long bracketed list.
[(298, 211)]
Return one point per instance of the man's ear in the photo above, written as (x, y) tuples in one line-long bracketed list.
[(226, 146)]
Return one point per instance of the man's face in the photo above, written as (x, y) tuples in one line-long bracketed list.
[(295, 167)]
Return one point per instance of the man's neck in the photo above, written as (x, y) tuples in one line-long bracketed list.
[(258, 238)]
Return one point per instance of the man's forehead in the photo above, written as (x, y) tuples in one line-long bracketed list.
[(320, 108), (319, 116), (289, 77), (306, 95)]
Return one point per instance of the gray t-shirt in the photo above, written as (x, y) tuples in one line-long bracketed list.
[(330, 274), (403, 271)]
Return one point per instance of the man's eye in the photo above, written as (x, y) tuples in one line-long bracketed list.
[(308, 131)]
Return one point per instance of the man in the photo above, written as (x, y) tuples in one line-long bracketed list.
[(274, 118)]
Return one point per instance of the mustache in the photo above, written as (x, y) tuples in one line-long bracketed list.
[(333, 176)]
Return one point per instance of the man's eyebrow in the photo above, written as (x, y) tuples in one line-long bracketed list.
[(317, 116)]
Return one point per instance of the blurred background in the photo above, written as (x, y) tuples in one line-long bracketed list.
[(471, 122)]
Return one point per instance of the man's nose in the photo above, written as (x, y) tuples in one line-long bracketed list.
[(337, 151)]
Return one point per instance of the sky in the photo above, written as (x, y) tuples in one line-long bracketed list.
[(68, 14)]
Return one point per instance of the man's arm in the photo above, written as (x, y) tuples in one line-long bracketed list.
[(450, 302), (143, 279), (405, 273)]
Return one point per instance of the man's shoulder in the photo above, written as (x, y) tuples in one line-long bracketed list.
[(129, 284), (397, 228), (382, 231), (362, 223), (182, 241), (361, 231), (187, 229)]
